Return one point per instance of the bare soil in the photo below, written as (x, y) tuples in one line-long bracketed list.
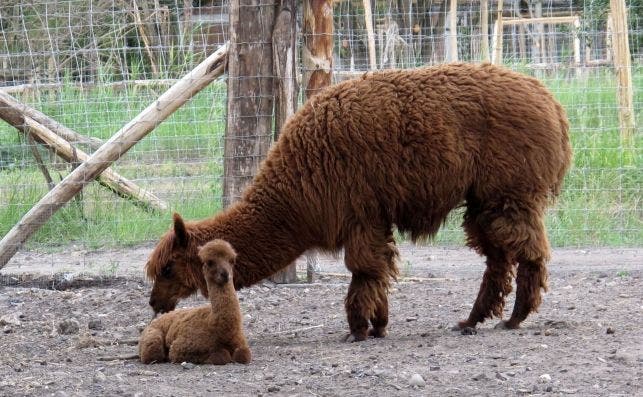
[(586, 340)]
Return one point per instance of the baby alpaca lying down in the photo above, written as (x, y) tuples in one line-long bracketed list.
[(210, 334)]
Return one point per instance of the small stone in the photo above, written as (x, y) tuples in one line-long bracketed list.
[(7, 329), (99, 377), (417, 380), (409, 319), (610, 330), (273, 389), (141, 326), (434, 368), (549, 332), (468, 331), (187, 365), (11, 319), (501, 376), (95, 324), (480, 376), (68, 326), (549, 389), (544, 378)]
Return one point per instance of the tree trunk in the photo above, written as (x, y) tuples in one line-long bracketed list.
[(317, 53), (249, 128)]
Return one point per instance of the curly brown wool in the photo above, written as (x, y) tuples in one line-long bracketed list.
[(395, 149)]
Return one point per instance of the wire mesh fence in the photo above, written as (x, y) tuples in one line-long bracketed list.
[(92, 66)]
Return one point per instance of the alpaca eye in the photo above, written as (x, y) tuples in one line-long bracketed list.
[(167, 270)]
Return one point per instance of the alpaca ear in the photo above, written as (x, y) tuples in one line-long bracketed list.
[(179, 230)]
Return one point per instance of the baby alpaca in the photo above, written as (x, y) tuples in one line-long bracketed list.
[(210, 334)]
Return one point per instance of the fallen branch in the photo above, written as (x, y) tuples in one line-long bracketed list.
[(292, 331), (123, 357)]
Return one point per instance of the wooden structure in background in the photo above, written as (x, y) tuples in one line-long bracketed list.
[(17, 114), (623, 68), (112, 150)]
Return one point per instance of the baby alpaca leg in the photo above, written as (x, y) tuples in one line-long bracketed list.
[(242, 355), (219, 357), (151, 346)]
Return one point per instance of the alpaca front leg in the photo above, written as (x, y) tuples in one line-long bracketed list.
[(359, 308), (219, 357), (366, 300)]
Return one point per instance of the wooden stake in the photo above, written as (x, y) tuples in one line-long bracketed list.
[(41, 164), (484, 30), (317, 52), (496, 58), (623, 68), (451, 32), (370, 33), (112, 150)]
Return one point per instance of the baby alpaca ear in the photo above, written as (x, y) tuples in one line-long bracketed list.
[(179, 230)]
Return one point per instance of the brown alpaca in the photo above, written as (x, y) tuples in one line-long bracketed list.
[(210, 334), (395, 149)]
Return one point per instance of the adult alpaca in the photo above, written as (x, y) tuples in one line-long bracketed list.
[(209, 334), (395, 148)]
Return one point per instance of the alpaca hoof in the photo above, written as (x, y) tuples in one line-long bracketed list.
[(506, 325), (462, 325), (350, 338), (378, 332)]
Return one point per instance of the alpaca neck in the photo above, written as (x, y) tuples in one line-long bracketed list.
[(264, 241), (225, 304)]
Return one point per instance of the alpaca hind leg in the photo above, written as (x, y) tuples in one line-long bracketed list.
[(533, 255), (495, 286), (496, 281), (371, 258), (151, 346)]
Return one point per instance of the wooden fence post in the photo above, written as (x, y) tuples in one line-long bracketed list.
[(249, 124), (623, 68), (484, 30), (451, 32), (496, 57), (112, 150), (284, 50)]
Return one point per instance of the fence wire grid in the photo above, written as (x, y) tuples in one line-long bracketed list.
[(92, 66)]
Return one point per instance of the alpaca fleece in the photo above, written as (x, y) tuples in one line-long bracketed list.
[(210, 334), (395, 149)]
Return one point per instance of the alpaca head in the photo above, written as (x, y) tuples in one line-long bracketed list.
[(171, 268), (217, 257)]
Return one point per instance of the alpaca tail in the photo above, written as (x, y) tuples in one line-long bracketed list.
[(151, 346), (567, 155)]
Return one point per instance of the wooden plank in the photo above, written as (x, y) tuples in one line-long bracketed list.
[(543, 20), (112, 150), (317, 51)]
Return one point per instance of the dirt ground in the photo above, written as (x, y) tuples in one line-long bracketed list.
[(586, 340)]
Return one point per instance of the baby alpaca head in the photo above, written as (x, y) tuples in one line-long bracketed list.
[(217, 257)]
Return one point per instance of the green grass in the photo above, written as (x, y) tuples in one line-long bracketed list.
[(181, 162)]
